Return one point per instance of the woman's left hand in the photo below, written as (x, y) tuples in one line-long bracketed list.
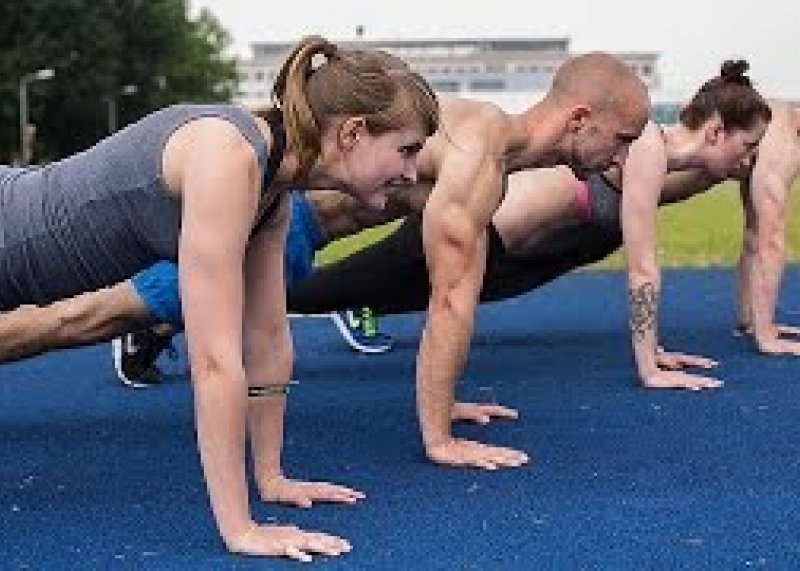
[(302, 494)]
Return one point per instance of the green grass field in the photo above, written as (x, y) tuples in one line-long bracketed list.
[(703, 231)]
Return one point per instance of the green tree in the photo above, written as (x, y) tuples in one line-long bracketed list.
[(122, 58)]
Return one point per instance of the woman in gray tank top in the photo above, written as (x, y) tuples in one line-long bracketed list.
[(205, 185)]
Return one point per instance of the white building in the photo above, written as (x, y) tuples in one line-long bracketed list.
[(512, 72)]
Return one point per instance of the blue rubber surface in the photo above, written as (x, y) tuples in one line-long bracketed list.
[(96, 476)]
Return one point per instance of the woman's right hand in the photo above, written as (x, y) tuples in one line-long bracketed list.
[(662, 379), (286, 541)]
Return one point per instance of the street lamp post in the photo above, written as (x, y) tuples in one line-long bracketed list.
[(113, 108), (25, 132)]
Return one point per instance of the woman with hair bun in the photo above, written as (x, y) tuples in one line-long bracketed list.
[(717, 135)]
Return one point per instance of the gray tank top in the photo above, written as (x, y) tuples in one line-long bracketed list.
[(99, 216)]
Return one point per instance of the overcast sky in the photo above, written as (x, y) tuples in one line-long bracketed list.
[(693, 37)]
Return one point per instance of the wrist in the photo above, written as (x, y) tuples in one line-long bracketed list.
[(236, 540), (764, 329), (432, 440), (648, 370), (765, 340), (267, 473)]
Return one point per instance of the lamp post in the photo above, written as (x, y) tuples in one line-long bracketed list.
[(113, 110), (25, 132)]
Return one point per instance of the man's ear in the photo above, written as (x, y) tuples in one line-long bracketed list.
[(578, 115), (350, 131)]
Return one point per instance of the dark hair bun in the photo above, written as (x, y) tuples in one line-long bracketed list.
[(733, 71)]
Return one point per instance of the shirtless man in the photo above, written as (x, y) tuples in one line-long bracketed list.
[(765, 196), (717, 136), (594, 110)]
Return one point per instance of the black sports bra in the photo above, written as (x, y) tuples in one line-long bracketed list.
[(275, 122)]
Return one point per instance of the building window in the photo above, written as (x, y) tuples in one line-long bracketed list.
[(259, 76), (487, 85), (666, 113), (446, 86)]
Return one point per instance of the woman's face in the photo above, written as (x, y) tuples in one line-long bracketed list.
[(734, 151), (371, 164)]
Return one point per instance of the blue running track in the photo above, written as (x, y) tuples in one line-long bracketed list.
[(94, 476)]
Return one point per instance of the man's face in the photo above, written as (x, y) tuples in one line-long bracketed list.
[(602, 138)]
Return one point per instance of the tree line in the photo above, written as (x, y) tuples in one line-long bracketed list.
[(113, 62)]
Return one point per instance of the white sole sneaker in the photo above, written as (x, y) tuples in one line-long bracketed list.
[(344, 329), (117, 351)]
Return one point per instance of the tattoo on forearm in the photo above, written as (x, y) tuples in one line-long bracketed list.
[(644, 306)]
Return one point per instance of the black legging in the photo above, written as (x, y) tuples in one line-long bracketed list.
[(390, 276)]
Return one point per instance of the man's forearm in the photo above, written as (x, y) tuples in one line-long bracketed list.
[(88, 318), (26, 332), (744, 287), (765, 280), (769, 204), (443, 348)]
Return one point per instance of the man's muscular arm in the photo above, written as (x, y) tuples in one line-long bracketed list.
[(764, 248), (82, 320), (454, 237)]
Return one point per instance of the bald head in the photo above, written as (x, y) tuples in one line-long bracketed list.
[(601, 81), (604, 107)]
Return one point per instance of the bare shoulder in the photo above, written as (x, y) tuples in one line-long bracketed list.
[(652, 138), (779, 150), (796, 117), (785, 122), (478, 125), (202, 144), (219, 134), (649, 151)]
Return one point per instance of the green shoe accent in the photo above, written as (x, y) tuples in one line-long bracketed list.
[(369, 322)]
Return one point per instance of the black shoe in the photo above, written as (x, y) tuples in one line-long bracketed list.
[(135, 357)]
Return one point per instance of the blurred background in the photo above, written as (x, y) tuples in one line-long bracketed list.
[(73, 71)]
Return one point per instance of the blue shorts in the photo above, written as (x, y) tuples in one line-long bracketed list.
[(158, 284)]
